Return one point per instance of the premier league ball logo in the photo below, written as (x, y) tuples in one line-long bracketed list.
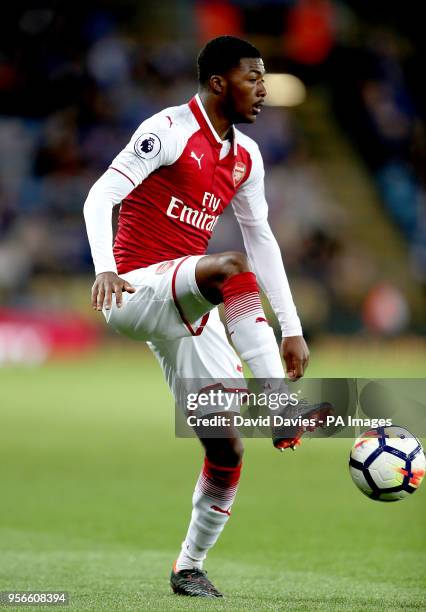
[(147, 146)]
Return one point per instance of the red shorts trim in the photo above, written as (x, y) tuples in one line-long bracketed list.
[(193, 332)]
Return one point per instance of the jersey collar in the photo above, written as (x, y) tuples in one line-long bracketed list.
[(205, 124)]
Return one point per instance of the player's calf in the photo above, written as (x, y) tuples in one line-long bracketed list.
[(227, 452)]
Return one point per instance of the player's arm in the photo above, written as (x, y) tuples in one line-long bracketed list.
[(265, 258), (153, 145), (110, 189)]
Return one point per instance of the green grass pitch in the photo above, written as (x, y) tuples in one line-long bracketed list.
[(95, 496)]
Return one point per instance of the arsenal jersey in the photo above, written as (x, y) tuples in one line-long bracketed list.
[(183, 177)]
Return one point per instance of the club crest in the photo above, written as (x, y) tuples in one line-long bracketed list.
[(163, 267), (238, 173)]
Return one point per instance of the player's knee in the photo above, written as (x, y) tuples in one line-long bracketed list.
[(226, 452), (213, 270), (232, 263)]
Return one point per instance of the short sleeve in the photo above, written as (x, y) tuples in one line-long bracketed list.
[(155, 143), (249, 203)]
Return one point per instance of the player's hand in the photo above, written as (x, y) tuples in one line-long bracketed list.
[(296, 356), (105, 285)]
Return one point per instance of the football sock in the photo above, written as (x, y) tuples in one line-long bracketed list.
[(211, 508), (248, 327)]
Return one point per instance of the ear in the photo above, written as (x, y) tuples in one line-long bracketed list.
[(217, 84)]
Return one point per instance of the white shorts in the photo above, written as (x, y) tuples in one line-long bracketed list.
[(180, 326)]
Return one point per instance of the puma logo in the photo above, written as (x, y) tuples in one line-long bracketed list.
[(198, 159), (221, 510)]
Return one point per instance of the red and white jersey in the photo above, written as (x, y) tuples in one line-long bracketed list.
[(174, 179), (184, 176)]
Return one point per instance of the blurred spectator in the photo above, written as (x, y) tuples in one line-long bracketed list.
[(385, 310), (217, 17), (310, 32)]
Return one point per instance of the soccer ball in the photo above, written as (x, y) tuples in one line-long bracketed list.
[(387, 464)]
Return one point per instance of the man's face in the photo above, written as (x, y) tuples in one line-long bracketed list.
[(245, 91)]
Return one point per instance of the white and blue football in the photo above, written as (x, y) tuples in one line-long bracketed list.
[(387, 464)]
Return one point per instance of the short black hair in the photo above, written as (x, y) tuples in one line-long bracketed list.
[(221, 54)]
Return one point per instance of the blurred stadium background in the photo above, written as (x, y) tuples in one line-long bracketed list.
[(344, 146), (86, 420)]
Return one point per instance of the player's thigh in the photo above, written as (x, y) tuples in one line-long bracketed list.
[(200, 361), (167, 303)]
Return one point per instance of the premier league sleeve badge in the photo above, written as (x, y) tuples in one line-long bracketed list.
[(147, 146)]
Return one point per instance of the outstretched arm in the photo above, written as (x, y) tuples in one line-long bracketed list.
[(265, 258)]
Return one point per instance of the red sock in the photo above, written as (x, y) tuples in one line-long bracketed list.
[(219, 482), (249, 328), (241, 297)]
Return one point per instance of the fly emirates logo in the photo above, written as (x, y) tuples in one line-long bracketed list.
[(203, 219)]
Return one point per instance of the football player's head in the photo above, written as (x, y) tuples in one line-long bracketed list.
[(232, 69)]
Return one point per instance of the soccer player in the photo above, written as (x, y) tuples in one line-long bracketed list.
[(154, 283)]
